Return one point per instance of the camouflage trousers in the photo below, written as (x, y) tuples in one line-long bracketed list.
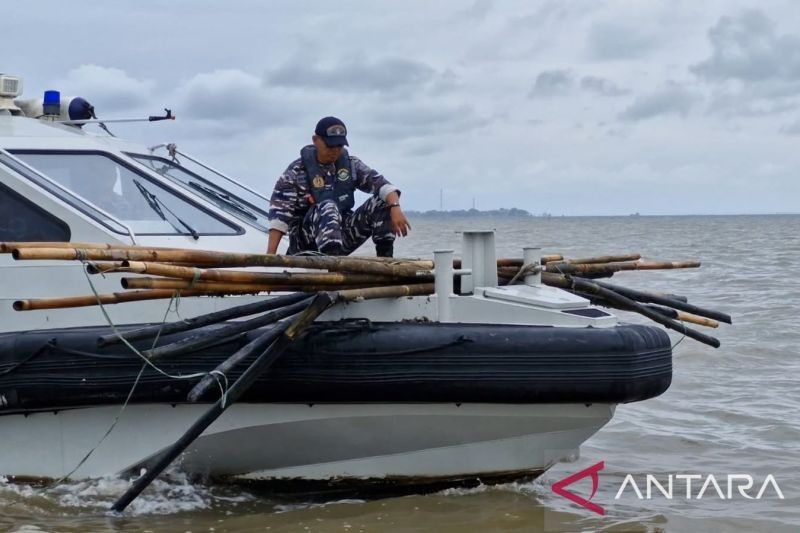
[(325, 229)]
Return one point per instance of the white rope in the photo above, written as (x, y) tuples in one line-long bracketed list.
[(223, 384), (528, 268), (128, 344), (106, 434)]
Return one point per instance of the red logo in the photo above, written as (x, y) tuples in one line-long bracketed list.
[(558, 487)]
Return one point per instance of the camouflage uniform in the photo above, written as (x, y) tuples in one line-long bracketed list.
[(324, 227)]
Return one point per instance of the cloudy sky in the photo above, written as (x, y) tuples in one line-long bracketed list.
[(577, 108)]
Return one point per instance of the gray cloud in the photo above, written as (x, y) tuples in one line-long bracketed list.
[(602, 86), (414, 120), (108, 89), (792, 129), (672, 99), (747, 48), (754, 70), (551, 83), (223, 100), (557, 82), (478, 10), (612, 40), (548, 13), (252, 119), (753, 102), (383, 75)]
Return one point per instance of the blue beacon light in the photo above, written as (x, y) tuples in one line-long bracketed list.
[(52, 103)]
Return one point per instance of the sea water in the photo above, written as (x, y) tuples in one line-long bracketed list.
[(732, 410)]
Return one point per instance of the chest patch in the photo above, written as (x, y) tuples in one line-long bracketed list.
[(343, 174), (318, 182)]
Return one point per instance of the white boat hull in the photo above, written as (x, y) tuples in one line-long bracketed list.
[(284, 442)]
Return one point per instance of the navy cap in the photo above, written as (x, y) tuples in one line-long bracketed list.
[(333, 131)]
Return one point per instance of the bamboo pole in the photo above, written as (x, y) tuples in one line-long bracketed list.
[(592, 290), (692, 313), (424, 264), (664, 311), (104, 267), (550, 258), (603, 268), (295, 328), (262, 341), (648, 297), (257, 345), (34, 304), (200, 321), (224, 287), (203, 339), (227, 259), (603, 259), (394, 291), (240, 276), (699, 320), (320, 303), (504, 262), (8, 246)]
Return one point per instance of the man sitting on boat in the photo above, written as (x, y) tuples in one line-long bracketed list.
[(313, 200)]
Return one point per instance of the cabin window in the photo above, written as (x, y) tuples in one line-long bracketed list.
[(228, 196), (22, 220), (109, 184)]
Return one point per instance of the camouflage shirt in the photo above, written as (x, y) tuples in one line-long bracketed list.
[(289, 201)]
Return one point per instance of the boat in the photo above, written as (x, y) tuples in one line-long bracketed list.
[(477, 382)]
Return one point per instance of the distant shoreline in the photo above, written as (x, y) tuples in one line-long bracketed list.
[(503, 212), (521, 213)]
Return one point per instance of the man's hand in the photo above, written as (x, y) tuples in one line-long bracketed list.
[(400, 225)]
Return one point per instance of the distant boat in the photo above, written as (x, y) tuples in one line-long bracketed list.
[(636, 214)]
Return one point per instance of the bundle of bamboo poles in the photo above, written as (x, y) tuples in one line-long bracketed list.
[(158, 273)]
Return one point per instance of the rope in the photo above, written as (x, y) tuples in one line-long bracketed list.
[(529, 268), (28, 359), (223, 389), (128, 344), (138, 376), (195, 278), (682, 337), (172, 150), (106, 434), (100, 270)]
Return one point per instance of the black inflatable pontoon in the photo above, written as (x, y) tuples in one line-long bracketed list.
[(355, 361)]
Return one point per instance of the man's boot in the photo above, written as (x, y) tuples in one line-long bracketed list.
[(384, 249)]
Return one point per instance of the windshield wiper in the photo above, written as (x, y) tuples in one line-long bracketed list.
[(156, 204), (225, 198)]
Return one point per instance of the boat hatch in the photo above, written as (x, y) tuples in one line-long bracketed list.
[(539, 295), (108, 183)]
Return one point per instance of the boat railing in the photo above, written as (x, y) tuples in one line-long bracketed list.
[(212, 169), (27, 172)]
